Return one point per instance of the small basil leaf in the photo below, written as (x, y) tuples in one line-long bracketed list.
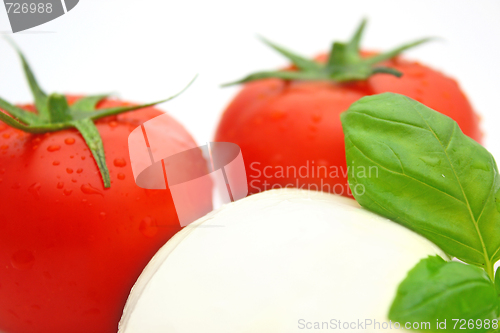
[(425, 174), (436, 290)]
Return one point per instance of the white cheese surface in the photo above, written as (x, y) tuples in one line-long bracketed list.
[(278, 261)]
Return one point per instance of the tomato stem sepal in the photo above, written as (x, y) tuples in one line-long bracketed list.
[(55, 114), (345, 63)]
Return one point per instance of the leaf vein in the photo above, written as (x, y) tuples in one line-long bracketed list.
[(389, 121), (485, 251), (444, 292), (406, 175)]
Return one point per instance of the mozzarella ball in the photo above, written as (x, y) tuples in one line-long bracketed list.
[(278, 261)]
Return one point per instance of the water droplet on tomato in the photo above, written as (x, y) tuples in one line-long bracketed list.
[(69, 170), (278, 114), (148, 227), (257, 120), (69, 141), (415, 72), (119, 162), (322, 162), (35, 147), (74, 180), (53, 148), (120, 176), (22, 259), (56, 163), (67, 192), (6, 135), (35, 189), (79, 170), (83, 157), (102, 215), (89, 189), (277, 159), (60, 185), (316, 117), (113, 123)]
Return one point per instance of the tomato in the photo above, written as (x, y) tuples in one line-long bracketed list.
[(70, 249), (289, 131), (75, 229)]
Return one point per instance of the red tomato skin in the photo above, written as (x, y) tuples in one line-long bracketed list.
[(70, 250), (288, 125), (433, 89)]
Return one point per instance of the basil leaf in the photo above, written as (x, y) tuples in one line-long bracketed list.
[(429, 177), (497, 281), (469, 295)]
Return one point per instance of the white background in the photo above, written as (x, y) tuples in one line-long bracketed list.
[(149, 49)]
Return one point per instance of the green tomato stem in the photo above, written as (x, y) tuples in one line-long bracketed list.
[(344, 63), (54, 114), (93, 139)]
